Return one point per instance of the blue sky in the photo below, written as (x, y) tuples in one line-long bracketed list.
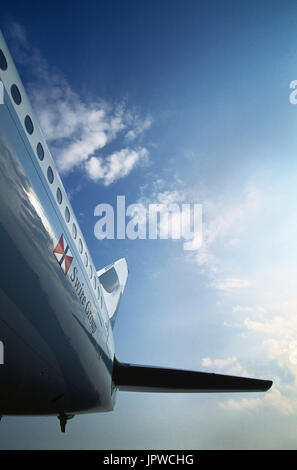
[(182, 102)]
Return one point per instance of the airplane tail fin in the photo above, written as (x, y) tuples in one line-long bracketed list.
[(136, 378), (113, 280)]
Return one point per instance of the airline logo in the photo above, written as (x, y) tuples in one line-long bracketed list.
[(63, 254)]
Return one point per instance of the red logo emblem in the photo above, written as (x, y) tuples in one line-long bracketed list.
[(63, 254)]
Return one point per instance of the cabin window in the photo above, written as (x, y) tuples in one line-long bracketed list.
[(86, 259), (40, 151), (3, 61), (29, 125), (59, 196), (91, 271), (15, 93), (67, 214), (50, 175), (80, 245), (74, 231)]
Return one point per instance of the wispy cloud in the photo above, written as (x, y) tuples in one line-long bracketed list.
[(115, 166), (275, 325), (230, 365), (172, 215), (247, 309), (273, 400), (231, 283), (223, 224), (79, 130), (139, 127)]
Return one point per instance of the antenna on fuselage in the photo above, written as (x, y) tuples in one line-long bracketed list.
[(63, 418)]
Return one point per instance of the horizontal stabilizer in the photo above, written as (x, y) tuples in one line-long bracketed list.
[(136, 378)]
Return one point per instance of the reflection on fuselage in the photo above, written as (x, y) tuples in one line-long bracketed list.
[(41, 316)]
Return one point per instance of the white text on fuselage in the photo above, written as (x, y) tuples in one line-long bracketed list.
[(79, 288)]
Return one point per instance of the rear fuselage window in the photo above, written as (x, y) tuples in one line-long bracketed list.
[(3, 61), (67, 214), (59, 196), (50, 175), (29, 125), (74, 231), (15, 93), (40, 151)]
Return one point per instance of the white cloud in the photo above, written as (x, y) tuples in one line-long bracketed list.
[(171, 216), (230, 365), (246, 309), (224, 222), (275, 399), (241, 404), (276, 325), (279, 335), (139, 127), (272, 400), (115, 166), (231, 283), (225, 219), (18, 33), (78, 129)]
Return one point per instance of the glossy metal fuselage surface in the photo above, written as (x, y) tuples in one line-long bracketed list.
[(55, 360)]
